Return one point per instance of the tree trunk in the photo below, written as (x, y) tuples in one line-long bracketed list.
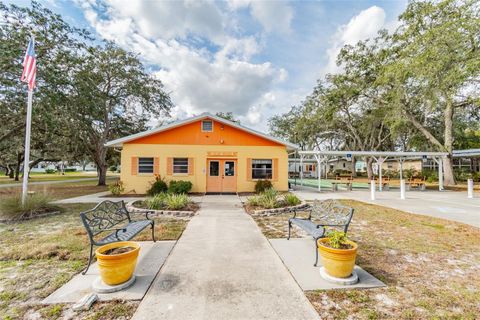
[(17, 167), (449, 178), (370, 168), (354, 171), (101, 161), (102, 175), (11, 172)]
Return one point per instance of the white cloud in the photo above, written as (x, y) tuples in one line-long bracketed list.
[(361, 27), (274, 16), (198, 79)]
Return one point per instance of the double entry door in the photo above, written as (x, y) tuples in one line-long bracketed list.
[(221, 175)]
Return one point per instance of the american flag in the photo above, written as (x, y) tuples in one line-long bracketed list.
[(30, 65)]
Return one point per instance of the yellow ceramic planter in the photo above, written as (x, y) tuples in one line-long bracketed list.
[(338, 263), (118, 268)]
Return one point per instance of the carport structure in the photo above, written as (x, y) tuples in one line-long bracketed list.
[(379, 156)]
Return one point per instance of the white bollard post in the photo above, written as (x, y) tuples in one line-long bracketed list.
[(402, 189), (470, 188), (372, 190)]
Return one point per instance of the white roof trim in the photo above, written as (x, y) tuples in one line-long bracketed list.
[(119, 142)]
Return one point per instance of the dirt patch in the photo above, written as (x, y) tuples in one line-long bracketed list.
[(119, 250), (430, 266), (40, 255)]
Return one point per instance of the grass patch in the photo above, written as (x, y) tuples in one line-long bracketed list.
[(39, 256), (430, 266), (11, 208)]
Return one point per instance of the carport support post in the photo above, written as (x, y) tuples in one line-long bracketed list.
[(470, 188), (402, 182), (301, 170), (440, 174), (380, 162), (372, 190), (319, 172)]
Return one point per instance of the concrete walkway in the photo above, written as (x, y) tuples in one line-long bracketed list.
[(450, 205), (224, 268), (97, 197)]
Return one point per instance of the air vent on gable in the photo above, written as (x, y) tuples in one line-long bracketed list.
[(207, 125)]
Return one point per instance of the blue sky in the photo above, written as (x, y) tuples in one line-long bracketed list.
[(254, 58)]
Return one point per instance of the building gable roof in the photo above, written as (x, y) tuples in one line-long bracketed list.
[(121, 141)]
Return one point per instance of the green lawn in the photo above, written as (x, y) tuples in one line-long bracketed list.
[(39, 177), (327, 184), (61, 190)]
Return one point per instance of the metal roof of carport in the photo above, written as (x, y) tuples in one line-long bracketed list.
[(466, 153), (376, 153)]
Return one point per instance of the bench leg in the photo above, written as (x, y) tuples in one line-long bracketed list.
[(153, 231), (316, 253), (89, 259), (289, 227)]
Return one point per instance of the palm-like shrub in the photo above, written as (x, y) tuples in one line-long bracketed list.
[(291, 199), (176, 201), (168, 201), (36, 204), (116, 188)]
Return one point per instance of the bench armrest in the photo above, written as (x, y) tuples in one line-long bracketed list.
[(147, 213)]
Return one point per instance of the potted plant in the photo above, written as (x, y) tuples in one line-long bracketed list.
[(117, 261), (338, 254)]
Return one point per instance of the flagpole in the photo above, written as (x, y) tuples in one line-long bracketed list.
[(26, 158)]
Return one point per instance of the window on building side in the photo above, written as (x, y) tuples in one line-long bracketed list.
[(180, 165), (207, 125), (145, 165), (261, 169)]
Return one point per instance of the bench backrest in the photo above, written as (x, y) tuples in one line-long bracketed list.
[(104, 215), (330, 212), (344, 178)]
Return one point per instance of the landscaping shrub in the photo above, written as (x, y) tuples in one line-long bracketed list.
[(268, 199), (157, 202), (50, 171), (179, 187), (462, 174), (70, 170), (113, 168), (410, 173), (116, 188), (291, 199), (262, 185), (253, 201), (168, 201), (430, 175), (176, 201), (36, 204), (158, 186)]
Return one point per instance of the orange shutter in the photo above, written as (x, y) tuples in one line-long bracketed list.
[(275, 169), (134, 167), (156, 165), (170, 166), (249, 169), (191, 166)]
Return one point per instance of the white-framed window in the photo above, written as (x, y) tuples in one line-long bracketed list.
[(207, 125), (180, 165), (262, 168), (145, 165)]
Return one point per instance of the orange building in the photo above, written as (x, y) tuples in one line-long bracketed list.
[(215, 154)]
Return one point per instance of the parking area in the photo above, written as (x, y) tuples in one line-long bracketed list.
[(450, 205)]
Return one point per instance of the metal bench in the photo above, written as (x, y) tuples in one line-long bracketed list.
[(321, 215), (112, 216)]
